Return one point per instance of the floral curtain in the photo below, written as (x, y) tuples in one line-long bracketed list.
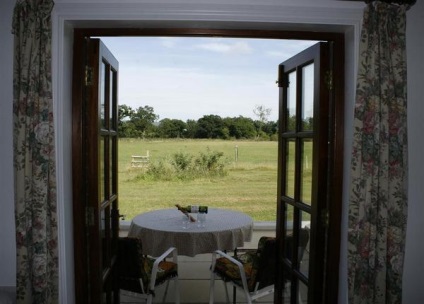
[(34, 155), (378, 195)]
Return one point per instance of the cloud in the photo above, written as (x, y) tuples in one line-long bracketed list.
[(187, 78), (279, 54), (168, 42), (289, 49), (237, 47), (189, 93)]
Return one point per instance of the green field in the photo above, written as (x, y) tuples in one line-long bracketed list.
[(250, 186)]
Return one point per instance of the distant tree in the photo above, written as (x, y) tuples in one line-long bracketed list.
[(171, 128), (142, 122), (143, 119), (291, 123), (270, 128), (136, 123), (307, 123), (225, 133), (191, 128), (210, 126), (262, 113), (124, 113), (240, 127)]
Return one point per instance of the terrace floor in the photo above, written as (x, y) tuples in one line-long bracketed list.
[(194, 276)]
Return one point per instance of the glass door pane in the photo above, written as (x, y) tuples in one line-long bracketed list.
[(291, 102), (102, 98), (290, 165), (306, 171), (113, 86), (307, 97)]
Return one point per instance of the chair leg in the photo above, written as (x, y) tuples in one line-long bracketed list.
[(177, 290), (211, 288), (227, 296), (248, 298), (165, 292)]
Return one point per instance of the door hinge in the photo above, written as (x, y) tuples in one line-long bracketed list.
[(89, 216), (88, 77), (325, 218), (283, 78), (282, 82), (329, 79)]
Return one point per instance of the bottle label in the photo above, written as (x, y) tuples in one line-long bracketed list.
[(194, 209)]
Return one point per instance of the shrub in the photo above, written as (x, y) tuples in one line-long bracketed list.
[(160, 170), (182, 161), (210, 164), (184, 166)]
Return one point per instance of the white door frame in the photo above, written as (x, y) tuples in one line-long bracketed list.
[(323, 15)]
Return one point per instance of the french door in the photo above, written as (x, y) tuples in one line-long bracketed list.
[(310, 164), (95, 180), (306, 143)]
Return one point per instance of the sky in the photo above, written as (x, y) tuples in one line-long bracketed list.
[(187, 78)]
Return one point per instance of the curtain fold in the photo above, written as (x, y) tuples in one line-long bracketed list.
[(378, 194), (34, 155)]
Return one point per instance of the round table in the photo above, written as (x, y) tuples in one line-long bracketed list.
[(161, 229)]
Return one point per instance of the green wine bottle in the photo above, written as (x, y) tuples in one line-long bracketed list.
[(196, 209)]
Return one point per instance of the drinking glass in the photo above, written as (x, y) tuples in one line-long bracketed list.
[(185, 222), (201, 219)]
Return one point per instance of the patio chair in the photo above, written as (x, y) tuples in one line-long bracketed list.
[(140, 274), (253, 271), (303, 243)]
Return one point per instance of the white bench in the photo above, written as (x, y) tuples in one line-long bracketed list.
[(140, 161)]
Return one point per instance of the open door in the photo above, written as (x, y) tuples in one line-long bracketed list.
[(95, 190), (305, 177)]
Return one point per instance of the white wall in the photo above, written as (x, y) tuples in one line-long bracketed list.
[(63, 104), (7, 215), (255, 13)]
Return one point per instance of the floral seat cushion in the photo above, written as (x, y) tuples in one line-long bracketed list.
[(255, 263), (228, 271), (133, 266), (166, 270)]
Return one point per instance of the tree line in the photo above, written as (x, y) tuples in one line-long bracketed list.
[(144, 123)]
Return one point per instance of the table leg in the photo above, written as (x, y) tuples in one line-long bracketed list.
[(234, 288)]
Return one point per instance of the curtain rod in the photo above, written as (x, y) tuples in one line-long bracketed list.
[(408, 2)]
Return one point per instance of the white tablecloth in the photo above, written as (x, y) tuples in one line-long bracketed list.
[(161, 229)]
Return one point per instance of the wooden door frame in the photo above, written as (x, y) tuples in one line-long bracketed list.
[(331, 284), (78, 203)]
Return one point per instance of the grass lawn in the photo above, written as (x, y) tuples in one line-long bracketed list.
[(250, 186)]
